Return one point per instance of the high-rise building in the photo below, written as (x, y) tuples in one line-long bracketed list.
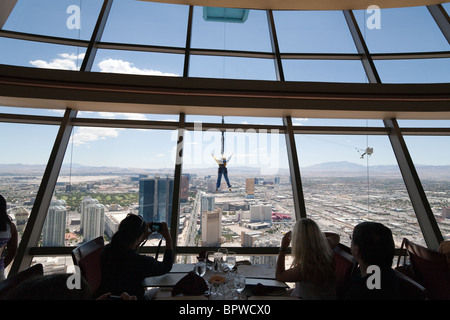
[(184, 188), (261, 213), (211, 227), (85, 203), (248, 238), (207, 202), (95, 221), (54, 229), (92, 218), (155, 199), (250, 188)]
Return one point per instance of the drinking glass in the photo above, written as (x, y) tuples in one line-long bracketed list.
[(200, 267), (239, 283), (210, 259), (223, 254), (230, 260), (218, 261)]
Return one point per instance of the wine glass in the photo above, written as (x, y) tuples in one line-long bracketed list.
[(222, 253), (210, 259), (218, 262), (200, 267), (230, 260), (239, 283)]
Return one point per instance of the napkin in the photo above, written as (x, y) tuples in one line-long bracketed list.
[(190, 285), (262, 290)]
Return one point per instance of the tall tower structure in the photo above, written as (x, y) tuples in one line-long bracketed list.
[(250, 188), (54, 229), (155, 199), (211, 227)]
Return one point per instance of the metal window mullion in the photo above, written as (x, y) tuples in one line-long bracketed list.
[(294, 168), (441, 18), (44, 195), (275, 46), (369, 66), (91, 51), (187, 54), (6, 7), (424, 214), (177, 183)]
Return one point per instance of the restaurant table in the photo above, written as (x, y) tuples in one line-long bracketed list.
[(256, 275)]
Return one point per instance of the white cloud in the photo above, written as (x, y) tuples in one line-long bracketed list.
[(120, 66), (299, 121), (71, 61), (88, 134), (66, 62), (123, 115)]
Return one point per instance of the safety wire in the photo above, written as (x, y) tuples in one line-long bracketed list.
[(367, 124)]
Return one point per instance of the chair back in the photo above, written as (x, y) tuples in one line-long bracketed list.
[(34, 271), (87, 248), (430, 269), (87, 258), (345, 266), (410, 289)]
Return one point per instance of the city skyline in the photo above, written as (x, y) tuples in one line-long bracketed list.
[(159, 24)]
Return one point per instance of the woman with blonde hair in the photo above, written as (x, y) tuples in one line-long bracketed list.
[(313, 269)]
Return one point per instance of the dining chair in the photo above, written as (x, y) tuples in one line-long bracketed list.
[(430, 269), (345, 265), (11, 282), (87, 258), (410, 289), (86, 248)]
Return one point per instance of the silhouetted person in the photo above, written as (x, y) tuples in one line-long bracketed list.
[(123, 268), (373, 247), (313, 268)]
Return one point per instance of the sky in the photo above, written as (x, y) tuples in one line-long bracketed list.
[(396, 30)]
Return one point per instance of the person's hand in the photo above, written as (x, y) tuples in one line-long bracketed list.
[(148, 231), (286, 240), (165, 231)]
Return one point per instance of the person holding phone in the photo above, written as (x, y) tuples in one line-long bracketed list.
[(123, 268)]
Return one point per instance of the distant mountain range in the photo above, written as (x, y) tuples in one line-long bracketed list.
[(326, 169)]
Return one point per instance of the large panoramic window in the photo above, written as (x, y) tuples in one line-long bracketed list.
[(252, 34), (108, 173), (350, 179), (147, 23), (40, 55), (414, 71), (74, 19), (26, 152), (401, 30), (255, 208), (141, 63), (232, 68), (313, 32), (432, 164), (324, 70)]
